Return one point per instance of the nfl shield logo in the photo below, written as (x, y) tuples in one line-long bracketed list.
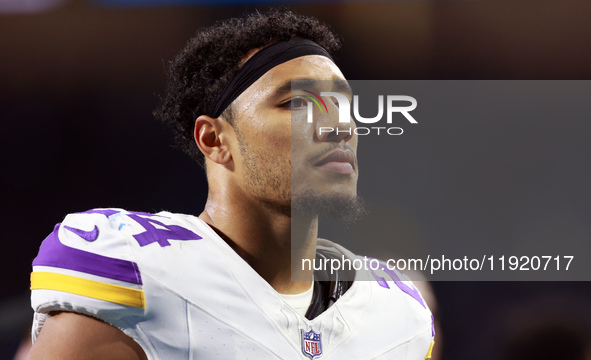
[(311, 343)]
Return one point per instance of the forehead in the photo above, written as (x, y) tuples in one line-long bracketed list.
[(311, 67), (305, 67)]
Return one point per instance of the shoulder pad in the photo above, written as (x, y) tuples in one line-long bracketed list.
[(87, 256), (90, 243)]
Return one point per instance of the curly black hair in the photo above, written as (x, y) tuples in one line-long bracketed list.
[(213, 57)]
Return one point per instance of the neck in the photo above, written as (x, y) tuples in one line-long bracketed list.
[(263, 237)]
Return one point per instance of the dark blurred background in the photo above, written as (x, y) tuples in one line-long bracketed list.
[(80, 78)]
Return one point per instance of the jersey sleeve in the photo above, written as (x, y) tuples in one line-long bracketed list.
[(86, 265)]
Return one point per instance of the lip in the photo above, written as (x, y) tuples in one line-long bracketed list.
[(338, 161)]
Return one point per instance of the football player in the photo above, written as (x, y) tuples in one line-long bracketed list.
[(115, 284)]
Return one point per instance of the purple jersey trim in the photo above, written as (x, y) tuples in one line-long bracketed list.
[(432, 326), (410, 290), (53, 253), (407, 289), (106, 212)]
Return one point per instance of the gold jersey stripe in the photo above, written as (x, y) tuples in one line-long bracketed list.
[(430, 350), (89, 288)]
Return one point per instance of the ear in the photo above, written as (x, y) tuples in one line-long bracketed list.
[(211, 139)]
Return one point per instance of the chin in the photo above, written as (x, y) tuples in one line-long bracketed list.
[(335, 205)]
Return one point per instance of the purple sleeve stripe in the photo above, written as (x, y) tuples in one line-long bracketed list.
[(432, 326), (53, 253), (410, 290)]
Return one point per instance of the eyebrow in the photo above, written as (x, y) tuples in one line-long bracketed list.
[(339, 85)]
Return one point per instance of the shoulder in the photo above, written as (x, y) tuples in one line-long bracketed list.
[(103, 241), (106, 242), (391, 302), (112, 232), (91, 262), (386, 282), (89, 243)]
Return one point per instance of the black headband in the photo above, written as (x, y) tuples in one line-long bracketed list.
[(261, 62)]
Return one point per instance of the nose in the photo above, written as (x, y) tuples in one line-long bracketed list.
[(330, 129)]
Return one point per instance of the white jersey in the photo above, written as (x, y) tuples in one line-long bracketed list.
[(173, 285)]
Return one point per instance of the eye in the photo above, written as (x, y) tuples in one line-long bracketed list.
[(295, 103)]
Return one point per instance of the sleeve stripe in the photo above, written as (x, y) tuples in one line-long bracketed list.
[(428, 356), (89, 288), (53, 253)]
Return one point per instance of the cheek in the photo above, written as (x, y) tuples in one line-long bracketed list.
[(354, 142), (269, 135), (300, 152), (301, 140), (302, 132), (276, 139)]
